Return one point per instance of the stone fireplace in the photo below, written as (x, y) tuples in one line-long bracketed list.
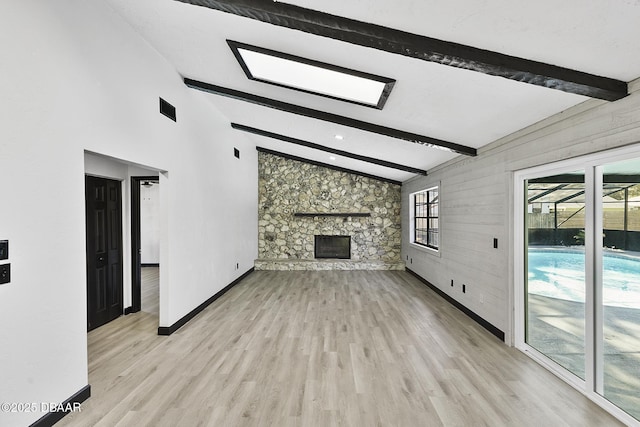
[(299, 201)]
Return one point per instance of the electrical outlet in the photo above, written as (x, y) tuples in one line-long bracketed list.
[(495, 243), (4, 249), (464, 289), (5, 273)]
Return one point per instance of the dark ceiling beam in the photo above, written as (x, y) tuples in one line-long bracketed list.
[(326, 165), (421, 47), (329, 117), (342, 153)]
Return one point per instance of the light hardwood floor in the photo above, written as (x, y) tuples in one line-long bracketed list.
[(322, 349), (149, 295)]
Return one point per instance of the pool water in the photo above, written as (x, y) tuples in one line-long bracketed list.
[(561, 274)]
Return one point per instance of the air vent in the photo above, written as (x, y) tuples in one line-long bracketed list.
[(167, 109)]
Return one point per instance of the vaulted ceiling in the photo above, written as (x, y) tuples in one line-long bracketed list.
[(466, 72)]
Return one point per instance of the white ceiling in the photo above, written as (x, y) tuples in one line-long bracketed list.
[(452, 104)]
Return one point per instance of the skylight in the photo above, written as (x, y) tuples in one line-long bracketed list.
[(311, 76)]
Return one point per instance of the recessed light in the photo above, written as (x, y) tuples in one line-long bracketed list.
[(339, 137), (332, 157)]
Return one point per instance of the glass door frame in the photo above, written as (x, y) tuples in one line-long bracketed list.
[(593, 165)]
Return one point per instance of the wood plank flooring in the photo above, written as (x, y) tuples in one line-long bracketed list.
[(149, 286), (333, 348)]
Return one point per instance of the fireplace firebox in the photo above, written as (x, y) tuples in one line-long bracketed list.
[(332, 247)]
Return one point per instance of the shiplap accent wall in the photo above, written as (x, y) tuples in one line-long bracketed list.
[(476, 196)]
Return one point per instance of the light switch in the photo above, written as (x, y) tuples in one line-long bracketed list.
[(5, 273)]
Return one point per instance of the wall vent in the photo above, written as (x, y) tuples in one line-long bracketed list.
[(167, 109)]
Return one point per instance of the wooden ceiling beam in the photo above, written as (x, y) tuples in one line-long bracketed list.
[(330, 117), (421, 47), (326, 149)]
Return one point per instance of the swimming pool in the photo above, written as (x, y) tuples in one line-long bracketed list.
[(559, 273)]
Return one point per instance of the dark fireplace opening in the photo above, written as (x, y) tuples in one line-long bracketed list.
[(332, 247)]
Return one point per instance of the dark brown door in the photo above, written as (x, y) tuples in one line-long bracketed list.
[(104, 250)]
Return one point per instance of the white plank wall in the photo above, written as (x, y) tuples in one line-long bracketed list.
[(476, 197)]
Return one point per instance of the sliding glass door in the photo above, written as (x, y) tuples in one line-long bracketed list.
[(555, 297), (577, 275), (619, 305)]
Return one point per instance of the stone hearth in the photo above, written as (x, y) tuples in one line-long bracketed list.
[(325, 264)]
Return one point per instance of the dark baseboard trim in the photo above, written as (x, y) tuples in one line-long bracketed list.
[(168, 330), (488, 326), (150, 265), (128, 310), (53, 417)]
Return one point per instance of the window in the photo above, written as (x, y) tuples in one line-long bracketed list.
[(425, 218)]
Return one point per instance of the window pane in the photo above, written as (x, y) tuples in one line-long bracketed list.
[(433, 238), (555, 284), (633, 208), (571, 215), (426, 224), (613, 208), (620, 347)]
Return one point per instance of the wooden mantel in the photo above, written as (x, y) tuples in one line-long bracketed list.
[(338, 214)]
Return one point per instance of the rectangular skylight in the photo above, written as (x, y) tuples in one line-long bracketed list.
[(311, 76)]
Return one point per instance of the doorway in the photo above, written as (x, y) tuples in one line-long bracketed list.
[(145, 261), (103, 209), (577, 274)]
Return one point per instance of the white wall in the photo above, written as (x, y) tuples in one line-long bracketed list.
[(150, 224), (476, 197), (75, 77)]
